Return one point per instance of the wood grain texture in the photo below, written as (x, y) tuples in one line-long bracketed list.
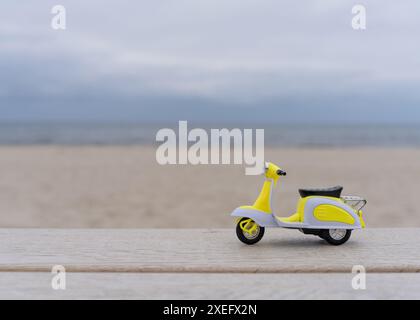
[(211, 251), (22, 285)]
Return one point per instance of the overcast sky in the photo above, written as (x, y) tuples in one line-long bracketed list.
[(210, 60)]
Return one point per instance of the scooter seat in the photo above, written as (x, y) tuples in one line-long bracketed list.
[(334, 192)]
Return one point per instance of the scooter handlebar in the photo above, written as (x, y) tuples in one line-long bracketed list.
[(281, 173)]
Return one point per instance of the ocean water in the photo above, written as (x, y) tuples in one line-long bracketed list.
[(275, 135)]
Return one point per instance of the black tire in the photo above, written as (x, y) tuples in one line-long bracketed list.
[(246, 239), (326, 235)]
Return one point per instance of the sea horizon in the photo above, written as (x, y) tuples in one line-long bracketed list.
[(276, 135)]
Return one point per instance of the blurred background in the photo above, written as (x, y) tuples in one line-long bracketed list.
[(80, 108)]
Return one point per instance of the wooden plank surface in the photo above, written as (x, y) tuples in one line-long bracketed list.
[(211, 251), (22, 285)]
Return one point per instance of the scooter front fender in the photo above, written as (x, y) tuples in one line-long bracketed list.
[(262, 218)]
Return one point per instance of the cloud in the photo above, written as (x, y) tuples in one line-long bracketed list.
[(201, 59)]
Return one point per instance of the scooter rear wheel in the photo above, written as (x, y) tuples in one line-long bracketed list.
[(249, 238), (335, 237)]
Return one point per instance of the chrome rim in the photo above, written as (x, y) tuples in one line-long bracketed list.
[(338, 234), (253, 235)]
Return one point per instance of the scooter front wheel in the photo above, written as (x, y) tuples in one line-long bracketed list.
[(248, 231), (335, 237)]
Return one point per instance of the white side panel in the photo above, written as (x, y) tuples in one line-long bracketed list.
[(313, 223)]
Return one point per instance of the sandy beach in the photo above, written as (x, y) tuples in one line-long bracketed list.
[(124, 187)]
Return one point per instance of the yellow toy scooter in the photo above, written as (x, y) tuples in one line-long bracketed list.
[(321, 212)]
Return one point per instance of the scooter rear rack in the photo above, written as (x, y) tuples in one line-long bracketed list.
[(356, 202)]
